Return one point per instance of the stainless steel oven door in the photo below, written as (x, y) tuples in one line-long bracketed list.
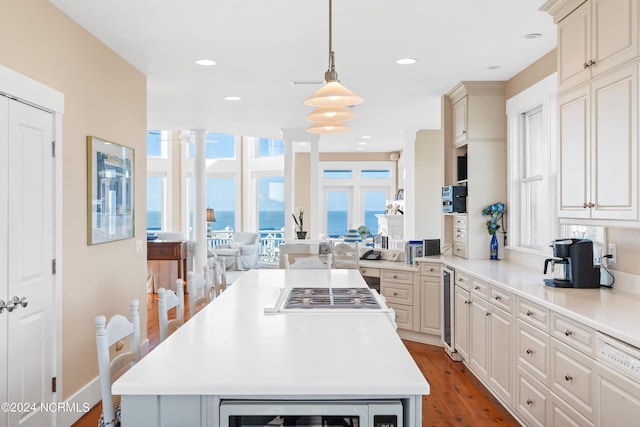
[(235, 413)]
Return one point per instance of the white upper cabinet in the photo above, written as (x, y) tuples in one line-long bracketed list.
[(594, 38), (598, 148)]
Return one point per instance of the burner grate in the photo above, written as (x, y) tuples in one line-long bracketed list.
[(332, 298)]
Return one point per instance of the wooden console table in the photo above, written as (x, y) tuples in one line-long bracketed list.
[(169, 250)]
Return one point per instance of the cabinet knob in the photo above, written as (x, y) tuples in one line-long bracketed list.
[(431, 269), (395, 276), (529, 313), (592, 62), (464, 132), (476, 287), (395, 294), (568, 378), (498, 297), (585, 205), (585, 65), (568, 333), (467, 302), (487, 314), (592, 205), (529, 351), (529, 402)]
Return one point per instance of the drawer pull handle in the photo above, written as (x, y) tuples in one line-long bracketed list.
[(529, 313), (529, 402), (497, 298), (568, 333), (395, 276), (529, 351), (568, 377), (395, 294), (431, 269), (476, 287), (487, 314)]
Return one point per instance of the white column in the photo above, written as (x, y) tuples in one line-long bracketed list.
[(409, 184), (314, 181), (291, 136), (200, 201)]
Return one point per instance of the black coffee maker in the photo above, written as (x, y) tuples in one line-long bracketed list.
[(572, 266)]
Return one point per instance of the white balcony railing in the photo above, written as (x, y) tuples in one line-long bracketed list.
[(268, 251)]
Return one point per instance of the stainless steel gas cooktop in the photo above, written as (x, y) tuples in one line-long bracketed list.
[(331, 298)]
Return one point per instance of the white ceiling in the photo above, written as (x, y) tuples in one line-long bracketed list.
[(260, 46)]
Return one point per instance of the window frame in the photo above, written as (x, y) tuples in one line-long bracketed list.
[(542, 95)]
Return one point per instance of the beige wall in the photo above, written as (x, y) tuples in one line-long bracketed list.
[(532, 74), (105, 97)]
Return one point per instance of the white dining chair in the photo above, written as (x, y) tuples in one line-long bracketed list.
[(107, 334), (308, 262), (216, 275), (167, 300), (345, 255), (198, 290)]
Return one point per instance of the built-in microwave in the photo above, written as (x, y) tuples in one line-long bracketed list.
[(343, 413)]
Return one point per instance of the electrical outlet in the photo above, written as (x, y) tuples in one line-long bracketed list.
[(612, 251)]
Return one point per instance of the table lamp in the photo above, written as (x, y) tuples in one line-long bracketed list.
[(211, 217)]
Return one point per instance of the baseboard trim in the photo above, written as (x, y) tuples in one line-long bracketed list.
[(421, 338), (86, 398)]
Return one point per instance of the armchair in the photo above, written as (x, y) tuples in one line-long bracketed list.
[(241, 253)]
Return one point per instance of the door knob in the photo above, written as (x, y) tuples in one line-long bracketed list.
[(22, 301)]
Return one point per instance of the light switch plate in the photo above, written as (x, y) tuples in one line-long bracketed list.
[(139, 247)]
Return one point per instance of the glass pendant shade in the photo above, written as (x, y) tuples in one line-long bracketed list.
[(328, 127), (324, 114), (333, 94)]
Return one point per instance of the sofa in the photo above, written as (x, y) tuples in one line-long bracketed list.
[(241, 253)]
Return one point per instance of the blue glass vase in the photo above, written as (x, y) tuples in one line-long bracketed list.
[(494, 247)]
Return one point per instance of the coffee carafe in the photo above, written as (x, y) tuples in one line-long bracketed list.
[(572, 266)]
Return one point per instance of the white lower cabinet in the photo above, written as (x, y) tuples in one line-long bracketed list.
[(617, 397), (462, 312), (500, 353), (479, 328), (532, 400), (430, 299)]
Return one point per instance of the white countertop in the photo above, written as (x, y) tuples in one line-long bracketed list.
[(610, 311), (233, 349)]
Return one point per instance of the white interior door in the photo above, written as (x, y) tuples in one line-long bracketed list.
[(30, 219)]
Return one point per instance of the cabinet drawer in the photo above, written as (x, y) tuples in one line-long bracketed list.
[(430, 269), (459, 235), (397, 293), (165, 251), (533, 314), (532, 400), (460, 221), (532, 346), (572, 377), (480, 288), (397, 276), (459, 249), (370, 272), (573, 333), (502, 299), (463, 281), (404, 316)]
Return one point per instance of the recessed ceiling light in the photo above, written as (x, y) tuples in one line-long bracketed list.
[(359, 149), (362, 143), (206, 62), (232, 98), (494, 67), (532, 35), (406, 61), (366, 137)]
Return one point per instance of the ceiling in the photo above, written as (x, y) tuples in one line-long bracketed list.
[(261, 46)]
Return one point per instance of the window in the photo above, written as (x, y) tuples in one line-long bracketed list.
[(155, 202), (155, 144), (221, 196), (270, 202), (530, 206), (353, 197), (270, 147), (217, 146)]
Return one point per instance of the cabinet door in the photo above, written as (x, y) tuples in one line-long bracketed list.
[(614, 33), (431, 300), (614, 144), (574, 153), (459, 120), (478, 339), (501, 366), (618, 398), (574, 47), (461, 322)]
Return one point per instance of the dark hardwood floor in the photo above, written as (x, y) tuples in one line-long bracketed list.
[(457, 398)]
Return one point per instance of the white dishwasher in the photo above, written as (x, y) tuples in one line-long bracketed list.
[(617, 382)]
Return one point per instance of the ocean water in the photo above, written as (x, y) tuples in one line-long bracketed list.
[(274, 220)]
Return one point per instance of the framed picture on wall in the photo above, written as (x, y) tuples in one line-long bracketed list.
[(110, 191)]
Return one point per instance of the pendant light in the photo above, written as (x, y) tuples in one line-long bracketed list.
[(331, 99)]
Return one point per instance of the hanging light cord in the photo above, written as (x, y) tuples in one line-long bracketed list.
[(331, 75)]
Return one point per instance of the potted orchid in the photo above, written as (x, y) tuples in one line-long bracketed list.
[(495, 212), (299, 224)]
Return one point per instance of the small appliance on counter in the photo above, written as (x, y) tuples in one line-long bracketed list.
[(454, 199), (572, 265)]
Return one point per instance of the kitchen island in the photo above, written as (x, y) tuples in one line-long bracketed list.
[(234, 349)]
